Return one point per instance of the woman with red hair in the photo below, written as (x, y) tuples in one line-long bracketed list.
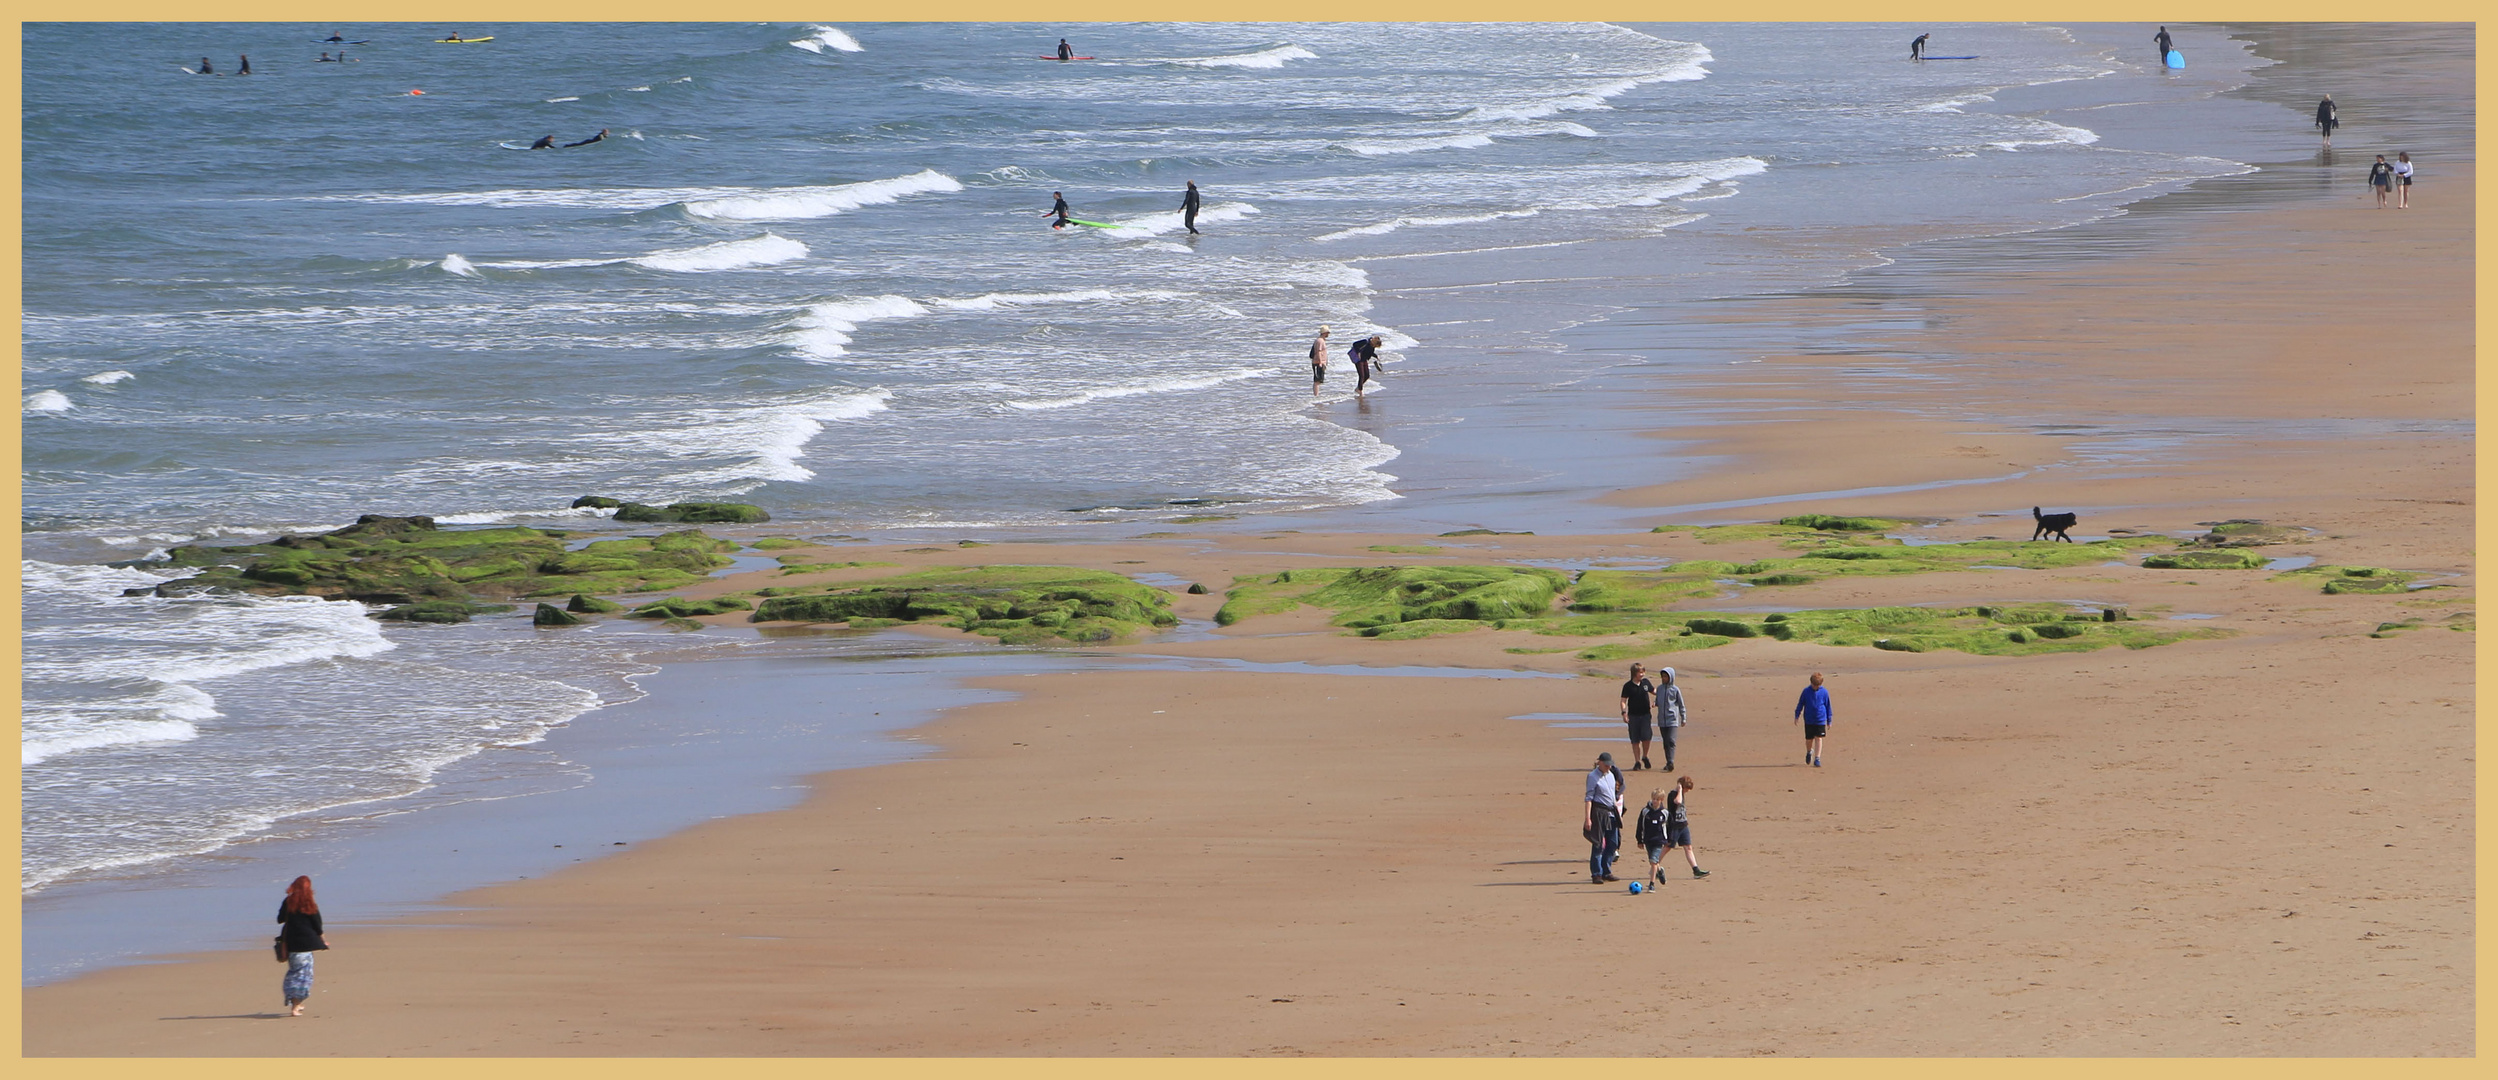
[(299, 920)]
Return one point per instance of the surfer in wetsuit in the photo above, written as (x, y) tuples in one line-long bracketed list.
[(247, 66), (1058, 206), (325, 59), (2161, 39), (545, 142), (600, 137), (1917, 48), (455, 36), (204, 69), (2327, 118), (1066, 52), (1188, 208)]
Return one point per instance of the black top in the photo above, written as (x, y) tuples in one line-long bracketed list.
[(302, 930), (1362, 351), (1636, 695), (2324, 111), (2381, 175), (1189, 201), (2162, 38)]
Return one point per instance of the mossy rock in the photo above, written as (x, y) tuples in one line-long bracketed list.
[(1422, 628), (1645, 590), (2339, 580), (2217, 559), (2244, 532), (776, 543), (440, 611), (1485, 532), (1373, 596), (596, 502), (1783, 579), (676, 608), (1197, 588), (1897, 645), (1017, 605), (550, 615), (1723, 628), (695, 513), (681, 624), (407, 560), (585, 604), (1832, 523)]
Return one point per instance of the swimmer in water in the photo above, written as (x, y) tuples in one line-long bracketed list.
[(545, 142), (325, 59), (600, 137), (1058, 206)]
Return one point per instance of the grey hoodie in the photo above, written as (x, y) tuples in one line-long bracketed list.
[(1670, 701)]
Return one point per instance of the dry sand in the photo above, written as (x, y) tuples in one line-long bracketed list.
[(2259, 845)]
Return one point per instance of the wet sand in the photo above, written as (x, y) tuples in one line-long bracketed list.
[(2258, 845)]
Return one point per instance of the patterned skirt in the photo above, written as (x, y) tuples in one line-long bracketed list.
[(298, 984)]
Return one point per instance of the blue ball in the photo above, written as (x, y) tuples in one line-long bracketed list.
[(1635, 887)]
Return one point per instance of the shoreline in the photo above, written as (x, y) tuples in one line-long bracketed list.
[(2386, 465)]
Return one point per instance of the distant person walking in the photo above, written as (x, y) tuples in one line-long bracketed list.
[(1058, 206), (2402, 180), (1188, 208), (1651, 834), (2381, 177), (1917, 48), (2327, 119), (1638, 697), (1318, 362), (2161, 39), (1670, 714), (1812, 709), (299, 932), (1603, 826), (1363, 352)]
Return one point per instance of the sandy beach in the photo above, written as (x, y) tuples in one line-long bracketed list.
[(2254, 844)]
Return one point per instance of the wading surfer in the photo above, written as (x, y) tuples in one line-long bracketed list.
[(1058, 207), (1917, 48), (1188, 208)]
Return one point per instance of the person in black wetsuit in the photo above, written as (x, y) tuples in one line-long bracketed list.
[(247, 66), (545, 142), (335, 36), (2161, 39), (600, 137), (1917, 48), (1058, 206), (204, 68), (1066, 52), (2327, 119), (1188, 208)]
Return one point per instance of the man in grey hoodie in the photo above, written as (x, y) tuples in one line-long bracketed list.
[(1670, 715)]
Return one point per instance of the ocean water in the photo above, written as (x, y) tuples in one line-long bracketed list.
[(808, 269)]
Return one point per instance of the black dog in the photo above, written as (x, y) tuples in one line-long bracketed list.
[(2053, 523)]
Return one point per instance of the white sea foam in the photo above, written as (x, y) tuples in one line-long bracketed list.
[(1170, 220), (1507, 129), (2049, 133), (1274, 57), (822, 331), (47, 401), (769, 439), (554, 100), (994, 301), (107, 378), (764, 250), (1149, 386), (789, 204), (454, 264), (828, 38)]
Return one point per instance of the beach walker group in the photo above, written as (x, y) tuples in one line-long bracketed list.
[(1653, 713)]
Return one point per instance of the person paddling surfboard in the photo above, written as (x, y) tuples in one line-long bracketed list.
[(600, 137)]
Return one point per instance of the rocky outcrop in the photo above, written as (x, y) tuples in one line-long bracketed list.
[(410, 562)]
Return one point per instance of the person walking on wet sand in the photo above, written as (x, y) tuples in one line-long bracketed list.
[(2402, 180), (2381, 177), (1678, 827), (1318, 362), (1812, 709), (299, 935), (1603, 823), (1637, 696), (2327, 119), (1670, 714), (2166, 46)]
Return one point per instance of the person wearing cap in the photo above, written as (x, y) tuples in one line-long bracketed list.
[(1318, 362), (1603, 821)]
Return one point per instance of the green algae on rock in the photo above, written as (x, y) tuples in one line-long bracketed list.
[(676, 608), (1372, 596), (2354, 579), (405, 560), (1017, 605), (2213, 559), (694, 513)]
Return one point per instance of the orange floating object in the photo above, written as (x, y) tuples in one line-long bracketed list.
[(416, 93)]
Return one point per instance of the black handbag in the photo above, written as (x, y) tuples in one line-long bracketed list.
[(280, 944)]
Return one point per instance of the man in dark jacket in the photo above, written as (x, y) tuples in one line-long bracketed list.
[(1188, 208)]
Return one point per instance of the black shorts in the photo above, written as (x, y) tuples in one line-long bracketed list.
[(1640, 729), (1815, 731), (1317, 374), (1677, 834), (2406, 180)]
